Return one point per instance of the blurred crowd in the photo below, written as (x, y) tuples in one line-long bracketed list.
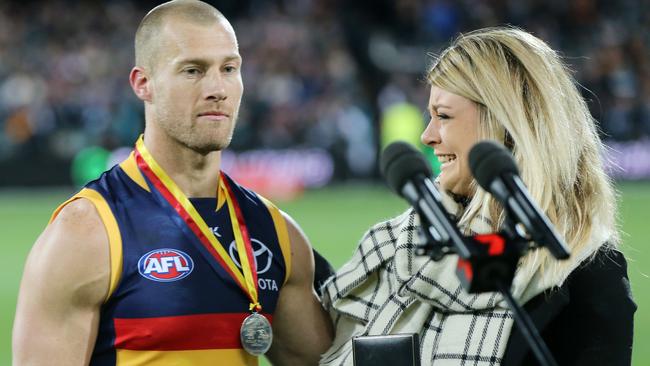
[(317, 73)]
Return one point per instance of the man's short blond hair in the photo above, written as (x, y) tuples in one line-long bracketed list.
[(147, 37)]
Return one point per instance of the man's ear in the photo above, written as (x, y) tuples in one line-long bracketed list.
[(140, 83)]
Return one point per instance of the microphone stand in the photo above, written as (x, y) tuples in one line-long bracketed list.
[(490, 266), (541, 351)]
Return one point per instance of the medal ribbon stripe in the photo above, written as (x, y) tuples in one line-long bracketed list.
[(241, 236), (181, 204)]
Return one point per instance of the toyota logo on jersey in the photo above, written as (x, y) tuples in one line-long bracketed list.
[(165, 265), (263, 255)]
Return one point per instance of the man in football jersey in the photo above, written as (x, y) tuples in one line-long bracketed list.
[(165, 259)]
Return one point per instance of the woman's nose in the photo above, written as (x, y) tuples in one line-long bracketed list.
[(431, 134)]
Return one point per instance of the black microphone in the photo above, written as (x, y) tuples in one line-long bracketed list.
[(409, 174), (496, 171)]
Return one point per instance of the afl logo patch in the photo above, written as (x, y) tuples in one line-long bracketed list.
[(165, 265)]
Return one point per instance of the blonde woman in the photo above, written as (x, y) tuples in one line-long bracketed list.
[(507, 85)]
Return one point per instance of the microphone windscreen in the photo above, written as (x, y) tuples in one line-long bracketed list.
[(488, 160), (400, 162)]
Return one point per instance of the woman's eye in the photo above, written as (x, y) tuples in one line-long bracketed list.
[(442, 116), (230, 69)]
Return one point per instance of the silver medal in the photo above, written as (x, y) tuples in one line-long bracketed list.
[(256, 334)]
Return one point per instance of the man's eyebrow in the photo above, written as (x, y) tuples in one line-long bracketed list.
[(203, 62), (233, 57), (192, 61)]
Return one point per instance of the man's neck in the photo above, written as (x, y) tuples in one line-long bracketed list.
[(196, 174)]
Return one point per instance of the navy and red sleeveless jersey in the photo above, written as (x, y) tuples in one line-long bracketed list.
[(169, 302)]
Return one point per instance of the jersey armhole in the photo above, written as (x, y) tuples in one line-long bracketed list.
[(282, 233), (113, 231)]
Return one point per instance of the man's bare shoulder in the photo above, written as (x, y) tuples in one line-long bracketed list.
[(79, 217), (74, 250), (302, 260), (64, 284)]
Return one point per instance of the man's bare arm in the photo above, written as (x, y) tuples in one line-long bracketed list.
[(302, 330), (65, 281)]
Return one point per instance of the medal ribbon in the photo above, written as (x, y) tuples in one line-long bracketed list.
[(184, 208)]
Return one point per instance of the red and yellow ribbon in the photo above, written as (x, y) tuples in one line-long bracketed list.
[(182, 205)]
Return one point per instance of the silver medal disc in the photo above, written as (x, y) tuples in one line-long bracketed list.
[(256, 334)]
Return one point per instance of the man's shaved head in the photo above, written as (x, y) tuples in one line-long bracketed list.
[(147, 38)]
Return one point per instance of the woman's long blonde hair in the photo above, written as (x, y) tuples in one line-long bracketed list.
[(529, 102)]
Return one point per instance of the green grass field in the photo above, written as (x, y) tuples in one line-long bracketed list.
[(334, 219)]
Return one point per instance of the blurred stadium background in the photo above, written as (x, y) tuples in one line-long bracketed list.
[(327, 84)]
